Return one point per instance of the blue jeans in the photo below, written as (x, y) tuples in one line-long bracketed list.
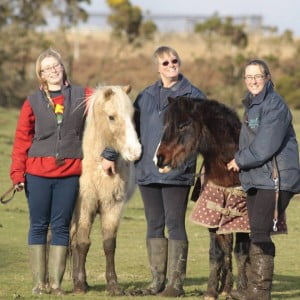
[(51, 202)]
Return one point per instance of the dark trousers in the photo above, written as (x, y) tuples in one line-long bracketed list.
[(165, 205), (260, 206), (51, 202)]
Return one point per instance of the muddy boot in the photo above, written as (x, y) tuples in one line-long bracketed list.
[(177, 257), (157, 249), (226, 278), (262, 268), (37, 255), (57, 266), (241, 253), (216, 260)]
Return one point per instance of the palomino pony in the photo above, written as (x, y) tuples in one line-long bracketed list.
[(108, 124), (211, 129)]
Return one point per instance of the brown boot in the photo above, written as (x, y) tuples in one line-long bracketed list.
[(177, 257), (262, 269)]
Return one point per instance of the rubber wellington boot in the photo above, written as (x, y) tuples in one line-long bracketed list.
[(177, 258), (57, 266), (37, 255), (262, 269), (157, 249)]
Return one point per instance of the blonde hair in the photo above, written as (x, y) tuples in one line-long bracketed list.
[(48, 53)]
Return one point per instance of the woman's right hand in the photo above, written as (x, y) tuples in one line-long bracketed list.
[(232, 166), (19, 186)]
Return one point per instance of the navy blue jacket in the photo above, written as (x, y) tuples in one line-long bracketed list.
[(149, 124), (271, 133)]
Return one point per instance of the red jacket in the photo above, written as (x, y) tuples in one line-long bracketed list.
[(39, 166)]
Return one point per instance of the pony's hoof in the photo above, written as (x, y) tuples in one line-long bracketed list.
[(208, 297), (81, 288), (40, 290), (57, 292), (115, 290)]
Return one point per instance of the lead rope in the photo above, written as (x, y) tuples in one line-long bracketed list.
[(11, 190), (275, 175)]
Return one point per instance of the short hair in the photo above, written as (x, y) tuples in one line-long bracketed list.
[(262, 64), (165, 49)]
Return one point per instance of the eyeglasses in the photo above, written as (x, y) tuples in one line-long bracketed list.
[(257, 77), (49, 69), (173, 61)]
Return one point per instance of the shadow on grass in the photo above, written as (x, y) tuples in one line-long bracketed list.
[(130, 286), (284, 287)]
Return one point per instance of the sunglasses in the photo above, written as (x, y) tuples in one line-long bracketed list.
[(173, 61)]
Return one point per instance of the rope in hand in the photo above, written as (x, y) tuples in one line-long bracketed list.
[(11, 193)]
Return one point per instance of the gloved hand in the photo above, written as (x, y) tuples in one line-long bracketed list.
[(19, 186)]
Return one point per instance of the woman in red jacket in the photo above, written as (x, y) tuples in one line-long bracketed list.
[(46, 159)]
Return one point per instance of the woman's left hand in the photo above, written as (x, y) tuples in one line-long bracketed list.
[(108, 167), (232, 166)]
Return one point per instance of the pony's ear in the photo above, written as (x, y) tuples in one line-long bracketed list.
[(108, 93), (126, 89), (171, 100)]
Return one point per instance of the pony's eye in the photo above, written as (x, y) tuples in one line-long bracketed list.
[(111, 118), (182, 126)]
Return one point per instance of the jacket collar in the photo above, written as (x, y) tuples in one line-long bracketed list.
[(182, 87)]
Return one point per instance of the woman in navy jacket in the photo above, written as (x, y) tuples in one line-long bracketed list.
[(268, 160), (164, 195)]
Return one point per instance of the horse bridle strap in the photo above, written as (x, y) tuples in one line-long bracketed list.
[(10, 190)]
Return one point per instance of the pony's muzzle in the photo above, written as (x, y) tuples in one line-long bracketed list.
[(160, 160)]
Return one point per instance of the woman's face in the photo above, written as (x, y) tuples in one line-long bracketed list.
[(168, 67), (51, 71), (255, 79)]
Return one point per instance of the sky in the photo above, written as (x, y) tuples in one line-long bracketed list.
[(284, 14)]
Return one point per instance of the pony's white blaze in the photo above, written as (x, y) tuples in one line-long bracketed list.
[(132, 149), (165, 169)]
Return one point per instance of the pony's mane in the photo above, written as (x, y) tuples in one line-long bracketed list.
[(212, 129), (220, 124)]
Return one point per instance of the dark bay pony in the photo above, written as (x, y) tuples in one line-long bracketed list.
[(193, 126)]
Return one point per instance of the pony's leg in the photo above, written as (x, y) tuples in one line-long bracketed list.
[(110, 219), (216, 260), (241, 253), (81, 244), (226, 244)]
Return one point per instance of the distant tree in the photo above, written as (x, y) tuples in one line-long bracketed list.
[(215, 26), (21, 42), (127, 21)]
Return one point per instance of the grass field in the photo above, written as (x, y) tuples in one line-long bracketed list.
[(131, 260)]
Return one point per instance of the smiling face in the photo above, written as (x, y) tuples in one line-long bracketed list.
[(168, 68), (255, 78), (51, 72)]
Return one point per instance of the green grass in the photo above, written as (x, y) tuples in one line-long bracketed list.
[(131, 259)]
